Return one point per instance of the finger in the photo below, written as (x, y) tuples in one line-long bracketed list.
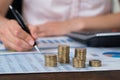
[(15, 46), (15, 43), (35, 31), (11, 46), (20, 33)]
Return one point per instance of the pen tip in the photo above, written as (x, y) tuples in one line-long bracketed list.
[(36, 47), (10, 7)]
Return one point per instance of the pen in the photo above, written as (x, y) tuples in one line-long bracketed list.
[(22, 24)]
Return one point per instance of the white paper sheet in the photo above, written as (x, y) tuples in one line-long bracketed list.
[(52, 43), (33, 62)]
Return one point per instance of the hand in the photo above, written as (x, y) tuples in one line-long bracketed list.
[(52, 29), (14, 37)]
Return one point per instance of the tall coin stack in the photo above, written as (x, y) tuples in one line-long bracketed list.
[(79, 58), (50, 60), (63, 54)]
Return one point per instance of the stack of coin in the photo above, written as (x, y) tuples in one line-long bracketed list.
[(77, 63), (50, 60), (79, 58), (63, 54), (80, 53), (95, 63)]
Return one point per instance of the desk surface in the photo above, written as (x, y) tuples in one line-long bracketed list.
[(103, 75)]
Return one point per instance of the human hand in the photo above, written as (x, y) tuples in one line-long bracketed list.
[(14, 37), (52, 29)]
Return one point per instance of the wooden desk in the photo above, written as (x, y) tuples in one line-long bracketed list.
[(102, 75)]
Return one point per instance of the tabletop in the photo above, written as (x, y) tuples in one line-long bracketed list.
[(101, 75)]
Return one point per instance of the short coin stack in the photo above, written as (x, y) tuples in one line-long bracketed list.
[(77, 63), (79, 58), (63, 54), (95, 63), (50, 60)]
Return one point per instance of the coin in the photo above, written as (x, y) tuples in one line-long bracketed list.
[(95, 63), (50, 60), (63, 54), (80, 53), (77, 63)]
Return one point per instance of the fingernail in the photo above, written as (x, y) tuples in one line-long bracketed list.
[(31, 42)]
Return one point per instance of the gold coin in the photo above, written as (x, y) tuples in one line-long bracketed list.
[(63, 53), (50, 60), (77, 63), (95, 63), (80, 53)]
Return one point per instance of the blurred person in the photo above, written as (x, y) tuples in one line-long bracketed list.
[(52, 18)]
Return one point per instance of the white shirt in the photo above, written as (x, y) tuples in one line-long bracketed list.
[(42, 11)]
